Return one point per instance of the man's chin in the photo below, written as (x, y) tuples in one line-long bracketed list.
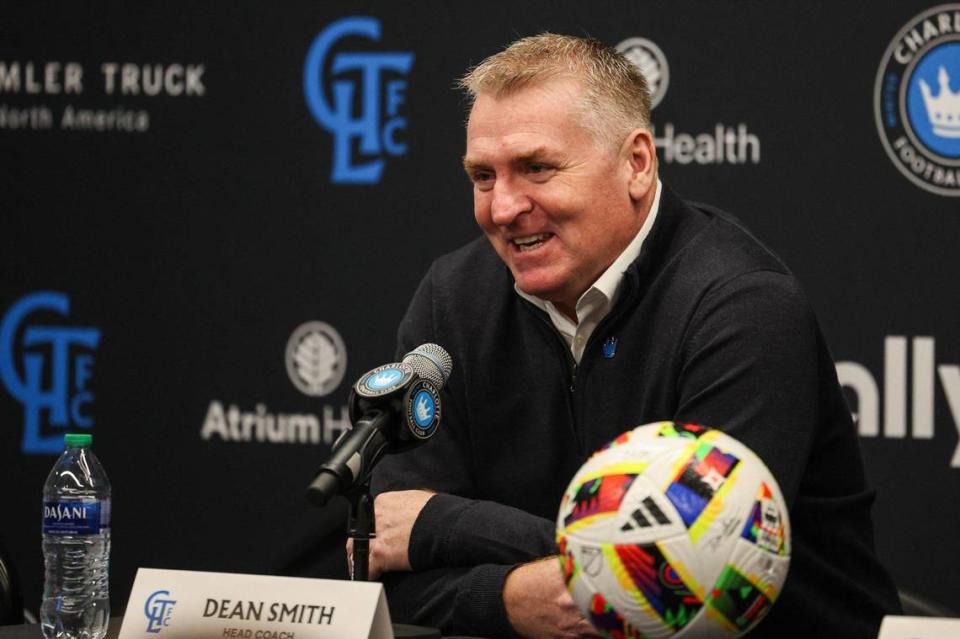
[(537, 289)]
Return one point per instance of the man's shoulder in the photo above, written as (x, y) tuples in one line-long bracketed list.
[(714, 246)]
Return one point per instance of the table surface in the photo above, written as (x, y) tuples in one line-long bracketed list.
[(32, 631)]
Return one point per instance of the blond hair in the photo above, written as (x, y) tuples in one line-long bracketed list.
[(615, 98)]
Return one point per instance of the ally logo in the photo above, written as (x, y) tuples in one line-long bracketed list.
[(55, 368), (357, 82)]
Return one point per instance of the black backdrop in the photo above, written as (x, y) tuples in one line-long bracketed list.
[(191, 232)]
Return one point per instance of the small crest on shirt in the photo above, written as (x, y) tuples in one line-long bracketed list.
[(610, 347)]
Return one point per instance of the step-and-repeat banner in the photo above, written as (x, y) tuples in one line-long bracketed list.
[(214, 215)]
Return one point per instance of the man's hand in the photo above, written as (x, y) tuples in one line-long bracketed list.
[(538, 604), (395, 514)]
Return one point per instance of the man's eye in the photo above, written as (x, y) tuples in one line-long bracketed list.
[(539, 171), (482, 178)]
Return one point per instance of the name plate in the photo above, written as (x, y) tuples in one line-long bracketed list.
[(919, 628), (170, 604)]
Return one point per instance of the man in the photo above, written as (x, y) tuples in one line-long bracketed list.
[(600, 301)]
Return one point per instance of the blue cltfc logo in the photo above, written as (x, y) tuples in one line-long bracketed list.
[(917, 100), (356, 81), (158, 607), (54, 370)]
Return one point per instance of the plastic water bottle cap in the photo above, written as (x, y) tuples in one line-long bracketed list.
[(78, 439)]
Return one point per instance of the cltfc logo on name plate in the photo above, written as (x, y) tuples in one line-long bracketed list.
[(338, 85), (316, 358), (53, 372), (158, 607), (917, 100)]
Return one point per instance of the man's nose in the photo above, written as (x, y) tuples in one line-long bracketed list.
[(508, 202)]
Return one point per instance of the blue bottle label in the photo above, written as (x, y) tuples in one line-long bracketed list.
[(75, 517)]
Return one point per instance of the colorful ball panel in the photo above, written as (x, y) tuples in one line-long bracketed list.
[(674, 530)]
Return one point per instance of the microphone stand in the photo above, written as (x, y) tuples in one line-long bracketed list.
[(361, 528)]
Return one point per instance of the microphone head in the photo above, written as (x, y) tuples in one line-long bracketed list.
[(430, 362)]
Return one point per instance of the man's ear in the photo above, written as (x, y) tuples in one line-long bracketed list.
[(641, 154)]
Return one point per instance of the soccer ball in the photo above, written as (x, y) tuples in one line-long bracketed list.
[(674, 530)]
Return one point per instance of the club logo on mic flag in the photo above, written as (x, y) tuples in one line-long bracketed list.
[(423, 409), (384, 380)]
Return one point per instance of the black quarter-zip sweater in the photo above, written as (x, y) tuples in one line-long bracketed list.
[(710, 328)]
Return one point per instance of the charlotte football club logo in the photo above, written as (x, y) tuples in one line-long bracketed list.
[(51, 378), (158, 607), (358, 81), (917, 100), (652, 64), (423, 409), (316, 358), (384, 379)]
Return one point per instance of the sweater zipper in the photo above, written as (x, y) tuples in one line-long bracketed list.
[(571, 365)]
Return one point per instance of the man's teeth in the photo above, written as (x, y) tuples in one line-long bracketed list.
[(530, 241)]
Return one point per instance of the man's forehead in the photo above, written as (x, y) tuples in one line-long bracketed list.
[(480, 154), (534, 122)]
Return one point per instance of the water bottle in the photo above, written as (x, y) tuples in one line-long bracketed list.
[(76, 544)]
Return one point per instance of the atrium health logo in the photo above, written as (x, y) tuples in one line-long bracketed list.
[(358, 83), (55, 368)]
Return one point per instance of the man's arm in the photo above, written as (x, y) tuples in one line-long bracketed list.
[(460, 549), (756, 366)]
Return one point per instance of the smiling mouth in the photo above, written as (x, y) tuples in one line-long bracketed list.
[(531, 242)]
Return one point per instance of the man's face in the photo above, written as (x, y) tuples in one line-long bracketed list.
[(554, 203)]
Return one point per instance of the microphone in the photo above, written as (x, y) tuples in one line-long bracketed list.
[(393, 408)]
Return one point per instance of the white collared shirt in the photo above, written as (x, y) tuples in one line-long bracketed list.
[(598, 300)]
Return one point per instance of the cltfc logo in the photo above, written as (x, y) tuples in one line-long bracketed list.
[(316, 358), (158, 608), (354, 80), (651, 63), (51, 381), (917, 100)]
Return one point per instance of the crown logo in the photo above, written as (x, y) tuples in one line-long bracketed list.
[(943, 110)]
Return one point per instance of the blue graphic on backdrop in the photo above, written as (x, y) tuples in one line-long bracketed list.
[(933, 105), (373, 133), (158, 608), (54, 376)]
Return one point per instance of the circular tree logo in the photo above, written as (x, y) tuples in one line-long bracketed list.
[(316, 358), (652, 64), (917, 100)]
